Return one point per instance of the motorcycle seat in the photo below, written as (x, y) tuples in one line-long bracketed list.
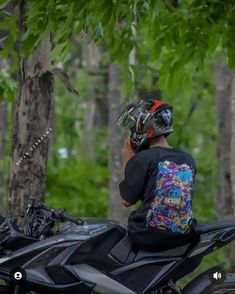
[(124, 251), (176, 252)]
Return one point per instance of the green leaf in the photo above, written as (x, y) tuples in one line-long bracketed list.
[(59, 52), (145, 7), (29, 44), (7, 86), (3, 3), (5, 13), (99, 31)]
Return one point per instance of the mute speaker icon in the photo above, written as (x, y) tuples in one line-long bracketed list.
[(217, 275)]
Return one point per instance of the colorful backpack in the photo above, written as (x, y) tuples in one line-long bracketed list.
[(171, 208)]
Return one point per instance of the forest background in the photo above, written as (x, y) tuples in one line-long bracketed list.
[(71, 67)]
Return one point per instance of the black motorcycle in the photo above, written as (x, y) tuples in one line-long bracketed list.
[(49, 255)]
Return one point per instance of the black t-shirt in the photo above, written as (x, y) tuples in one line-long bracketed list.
[(163, 179)]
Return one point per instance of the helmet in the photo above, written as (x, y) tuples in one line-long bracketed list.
[(146, 119)]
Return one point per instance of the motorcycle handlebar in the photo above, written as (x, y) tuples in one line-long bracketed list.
[(65, 216), (59, 214)]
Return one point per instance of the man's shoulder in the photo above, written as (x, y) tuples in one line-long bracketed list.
[(147, 154), (183, 152), (186, 154), (187, 157), (151, 154)]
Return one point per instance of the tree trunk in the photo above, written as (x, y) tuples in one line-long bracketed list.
[(92, 58), (232, 167), (116, 137), (31, 126), (3, 136), (96, 113), (225, 92), (4, 64)]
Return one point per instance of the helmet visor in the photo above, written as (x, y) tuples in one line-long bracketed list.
[(126, 119)]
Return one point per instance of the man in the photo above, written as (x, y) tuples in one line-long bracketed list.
[(159, 175)]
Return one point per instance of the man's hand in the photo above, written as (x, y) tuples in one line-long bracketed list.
[(126, 203)]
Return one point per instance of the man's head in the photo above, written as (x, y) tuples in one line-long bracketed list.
[(146, 120)]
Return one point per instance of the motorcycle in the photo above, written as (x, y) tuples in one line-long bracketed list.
[(53, 252)]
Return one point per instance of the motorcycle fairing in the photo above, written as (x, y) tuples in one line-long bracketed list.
[(68, 233), (75, 251)]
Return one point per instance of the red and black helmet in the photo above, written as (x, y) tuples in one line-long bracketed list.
[(146, 119)]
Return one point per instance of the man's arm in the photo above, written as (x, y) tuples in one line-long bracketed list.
[(127, 153)]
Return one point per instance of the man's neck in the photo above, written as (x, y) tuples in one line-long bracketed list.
[(160, 142)]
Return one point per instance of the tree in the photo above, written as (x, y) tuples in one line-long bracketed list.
[(3, 130), (32, 124), (116, 137), (7, 92), (225, 89), (96, 112)]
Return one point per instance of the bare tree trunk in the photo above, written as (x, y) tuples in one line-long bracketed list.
[(96, 112), (225, 92), (232, 167), (116, 137), (32, 120), (92, 58)]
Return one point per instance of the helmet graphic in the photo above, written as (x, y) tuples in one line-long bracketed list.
[(146, 119)]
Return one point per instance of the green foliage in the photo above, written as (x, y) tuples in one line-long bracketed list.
[(179, 39), (75, 181), (77, 188), (176, 36), (3, 3), (8, 25), (7, 86)]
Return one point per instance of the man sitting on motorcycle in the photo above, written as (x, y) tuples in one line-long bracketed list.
[(160, 176)]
